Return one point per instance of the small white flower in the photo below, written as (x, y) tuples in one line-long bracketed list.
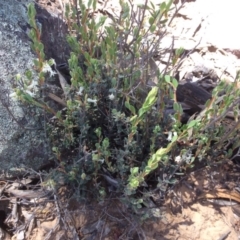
[(32, 89), (178, 159), (47, 69), (169, 136), (32, 94), (187, 157), (80, 91), (13, 95), (33, 85), (18, 76), (111, 96), (101, 160), (92, 101)]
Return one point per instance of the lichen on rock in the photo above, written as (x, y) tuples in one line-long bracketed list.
[(23, 141)]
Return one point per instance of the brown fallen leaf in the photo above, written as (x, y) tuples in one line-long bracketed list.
[(28, 194), (222, 193)]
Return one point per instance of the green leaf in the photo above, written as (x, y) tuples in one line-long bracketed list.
[(151, 20), (176, 106), (154, 159), (42, 55), (94, 4), (163, 6), (105, 143), (179, 51), (31, 11), (174, 138), (28, 74), (98, 132), (153, 28), (41, 75), (153, 166), (148, 170), (32, 34), (130, 107), (192, 123), (83, 176), (167, 78), (27, 97), (169, 4), (162, 151), (101, 21), (59, 114), (163, 21), (134, 183), (175, 83), (89, 3), (152, 5), (150, 100), (134, 171), (133, 118)]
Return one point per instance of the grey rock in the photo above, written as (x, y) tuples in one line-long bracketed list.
[(23, 141)]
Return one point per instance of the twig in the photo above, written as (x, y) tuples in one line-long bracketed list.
[(176, 12), (175, 69)]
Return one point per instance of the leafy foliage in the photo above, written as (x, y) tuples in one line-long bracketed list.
[(115, 114)]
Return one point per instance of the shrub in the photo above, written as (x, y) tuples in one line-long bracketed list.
[(115, 115)]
